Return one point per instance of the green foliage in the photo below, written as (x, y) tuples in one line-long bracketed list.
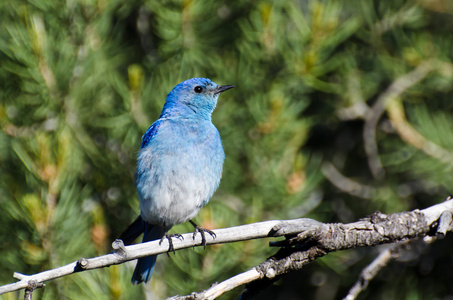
[(80, 82)]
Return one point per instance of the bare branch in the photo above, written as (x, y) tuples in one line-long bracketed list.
[(122, 254), (32, 286), (218, 289), (393, 91), (372, 270), (393, 252), (345, 184), (308, 245), (444, 224), (408, 134), (306, 240)]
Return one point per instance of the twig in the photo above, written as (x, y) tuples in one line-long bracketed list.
[(372, 270), (408, 134), (445, 222), (122, 254), (393, 91), (306, 240), (218, 289), (393, 252), (308, 245), (32, 286), (345, 184)]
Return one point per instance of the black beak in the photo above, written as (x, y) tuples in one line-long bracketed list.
[(223, 88)]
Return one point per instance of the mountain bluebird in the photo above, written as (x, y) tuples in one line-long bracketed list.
[(179, 167)]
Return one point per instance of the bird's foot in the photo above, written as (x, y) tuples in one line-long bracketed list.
[(169, 237), (202, 233)]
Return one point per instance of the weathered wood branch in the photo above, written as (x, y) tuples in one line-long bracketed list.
[(301, 249), (306, 239), (122, 253), (393, 252)]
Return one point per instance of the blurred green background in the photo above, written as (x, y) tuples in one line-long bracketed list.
[(341, 108)]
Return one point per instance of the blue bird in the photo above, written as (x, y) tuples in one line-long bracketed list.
[(179, 167)]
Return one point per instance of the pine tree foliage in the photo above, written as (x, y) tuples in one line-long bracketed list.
[(80, 82)]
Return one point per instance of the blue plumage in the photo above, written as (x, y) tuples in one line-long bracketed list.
[(179, 165)]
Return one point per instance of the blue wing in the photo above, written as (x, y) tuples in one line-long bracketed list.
[(150, 133)]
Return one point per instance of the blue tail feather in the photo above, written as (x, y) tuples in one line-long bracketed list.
[(145, 265), (133, 231)]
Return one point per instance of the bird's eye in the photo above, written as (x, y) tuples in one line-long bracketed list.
[(198, 89)]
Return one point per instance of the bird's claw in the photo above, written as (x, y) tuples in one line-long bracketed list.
[(202, 233), (170, 237)]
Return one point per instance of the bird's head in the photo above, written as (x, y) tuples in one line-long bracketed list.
[(196, 96)]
